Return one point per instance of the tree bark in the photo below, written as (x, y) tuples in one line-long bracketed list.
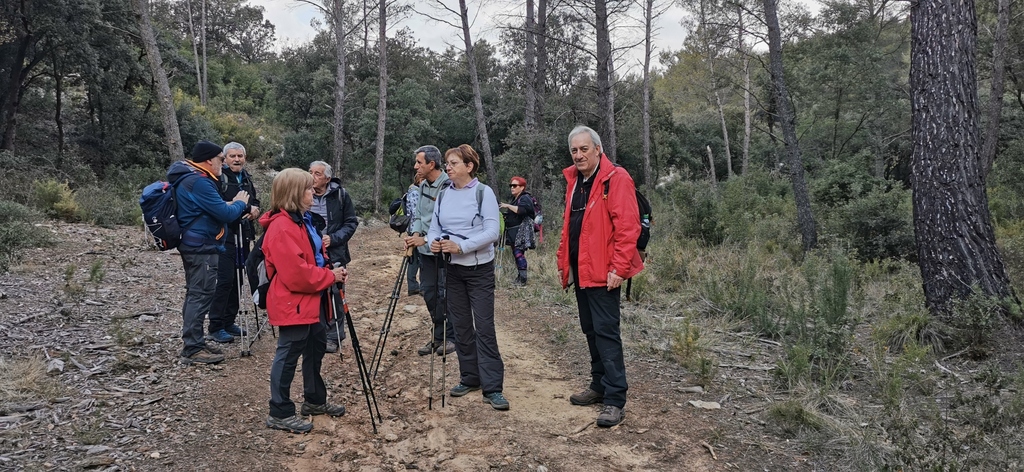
[(195, 54), (58, 106), (605, 96), (205, 94), (711, 165), (530, 63), (952, 225), (721, 116), (995, 104), (746, 94), (540, 80), (648, 20), (163, 89), (787, 120), (338, 16), (382, 106), (18, 75), (478, 103)]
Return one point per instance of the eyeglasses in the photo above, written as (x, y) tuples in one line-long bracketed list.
[(514, 185)]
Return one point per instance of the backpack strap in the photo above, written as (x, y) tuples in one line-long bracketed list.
[(479, 206)]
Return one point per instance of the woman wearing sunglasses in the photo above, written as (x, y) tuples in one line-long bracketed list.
[(519, 216)]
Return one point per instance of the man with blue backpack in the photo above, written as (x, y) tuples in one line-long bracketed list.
[(202, 214)]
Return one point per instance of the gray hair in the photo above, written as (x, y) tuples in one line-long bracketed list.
[(430, 154), (594, 138), (327, 168), (234, 145)]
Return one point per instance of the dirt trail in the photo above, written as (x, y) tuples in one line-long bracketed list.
[(124, 390)]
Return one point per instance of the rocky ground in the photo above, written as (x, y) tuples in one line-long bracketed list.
[(101, 312)]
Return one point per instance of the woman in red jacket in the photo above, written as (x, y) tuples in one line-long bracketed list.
[(297, 300)]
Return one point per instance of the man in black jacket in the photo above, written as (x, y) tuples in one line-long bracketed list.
[(333, 204), (237, 241)]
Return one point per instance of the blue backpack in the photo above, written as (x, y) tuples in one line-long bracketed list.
[(160, 214)]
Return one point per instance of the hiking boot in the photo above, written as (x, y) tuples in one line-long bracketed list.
[(461, 390), (203, 356), (214, 349), (449, 347), (235, 330), (414, 291), (309, 409), (332, 346), (521, 278), (586, 397), (497, 401), (427, 349), (610, 416), (292, 424), (222, 336)]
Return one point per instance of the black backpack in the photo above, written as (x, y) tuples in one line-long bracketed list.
[(400, 217), (646, 218)]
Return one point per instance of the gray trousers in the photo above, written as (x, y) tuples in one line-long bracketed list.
[(200, 286), (471, 312)]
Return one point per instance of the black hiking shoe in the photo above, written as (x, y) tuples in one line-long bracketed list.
[(427, 349), (309, 409), (460, 390), (586, 397), (292, 424), (610, 416)]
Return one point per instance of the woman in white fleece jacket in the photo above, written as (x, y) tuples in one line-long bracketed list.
[(464, 229)]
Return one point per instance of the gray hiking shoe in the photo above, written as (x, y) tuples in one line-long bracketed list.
[(309, 409), (497, 401), (610, 416), (332, 346), (460, 390), (427, 349), (292, 424), (449, 347), (586, 397), (203, 356)]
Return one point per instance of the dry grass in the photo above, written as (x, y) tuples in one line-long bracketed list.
[(24, 380)]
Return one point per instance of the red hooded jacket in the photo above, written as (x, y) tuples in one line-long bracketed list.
[(611, 226), (295, 290)]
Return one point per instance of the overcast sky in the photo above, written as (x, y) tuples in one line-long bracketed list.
[(292, 20)]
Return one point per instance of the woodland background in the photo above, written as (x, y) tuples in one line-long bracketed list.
[(805, 170)]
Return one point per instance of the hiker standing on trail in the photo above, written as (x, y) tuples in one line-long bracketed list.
[(428, 167), (202, 214), (233, 179), (412, 198), (332, 204), (298, 300), (464, 230), (519, 216), (597, 252)]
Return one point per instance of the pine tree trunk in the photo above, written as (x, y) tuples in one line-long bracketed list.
[(995, 104), (648, 20), (746, 93), (195, 54), (382, 107), (172, 134), (605, 95), (530, 63), (711, 165), (12, 96), (787, 120), (205, 95), (952, 225), (338, 16), (478, 103)]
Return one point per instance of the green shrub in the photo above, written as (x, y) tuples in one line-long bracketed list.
[(879, 224), (106, 208), (55, 199), (17, 232)]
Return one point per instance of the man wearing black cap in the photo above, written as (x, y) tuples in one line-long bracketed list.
[(202, 214)]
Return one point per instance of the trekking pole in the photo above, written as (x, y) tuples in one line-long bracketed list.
[(243, 310), (364, 374), (442, 303), (385, 329)]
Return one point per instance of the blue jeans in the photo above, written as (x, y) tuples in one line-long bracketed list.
[(200, 286)]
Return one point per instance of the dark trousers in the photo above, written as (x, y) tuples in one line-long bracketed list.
[(224, 311), (335, 331), (412, 270), (200, 284), (310, 342), (428, 284), (471, 311), (599, 318)]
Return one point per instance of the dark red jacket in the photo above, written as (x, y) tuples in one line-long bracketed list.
[(295, 290), (611, 226)]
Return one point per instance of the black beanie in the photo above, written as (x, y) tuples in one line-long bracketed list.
[(204, 151)]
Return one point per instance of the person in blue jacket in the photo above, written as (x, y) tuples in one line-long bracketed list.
[(202, 214)]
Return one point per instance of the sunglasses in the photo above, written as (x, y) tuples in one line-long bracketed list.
[(514, 185)]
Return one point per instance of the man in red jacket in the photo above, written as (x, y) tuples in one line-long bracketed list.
[(597, 253)]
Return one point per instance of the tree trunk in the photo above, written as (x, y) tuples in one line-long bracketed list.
[(481, 122), (787, 120), (163, 90), (952, 226), (12, 96), (195, 54), (605, 96), (648, 19), (206, 90), (382, 107), (58, 106), (711, 165), (746, 94), (540, 80), (530, 63), (995, 104), (721, 116), (338, 17)]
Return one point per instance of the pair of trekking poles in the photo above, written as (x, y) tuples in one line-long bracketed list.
[(442, 304)]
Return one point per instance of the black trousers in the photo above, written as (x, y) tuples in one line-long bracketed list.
[(471, 311), (599, 319), (224, 311), (310, 342), (428, 285)]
